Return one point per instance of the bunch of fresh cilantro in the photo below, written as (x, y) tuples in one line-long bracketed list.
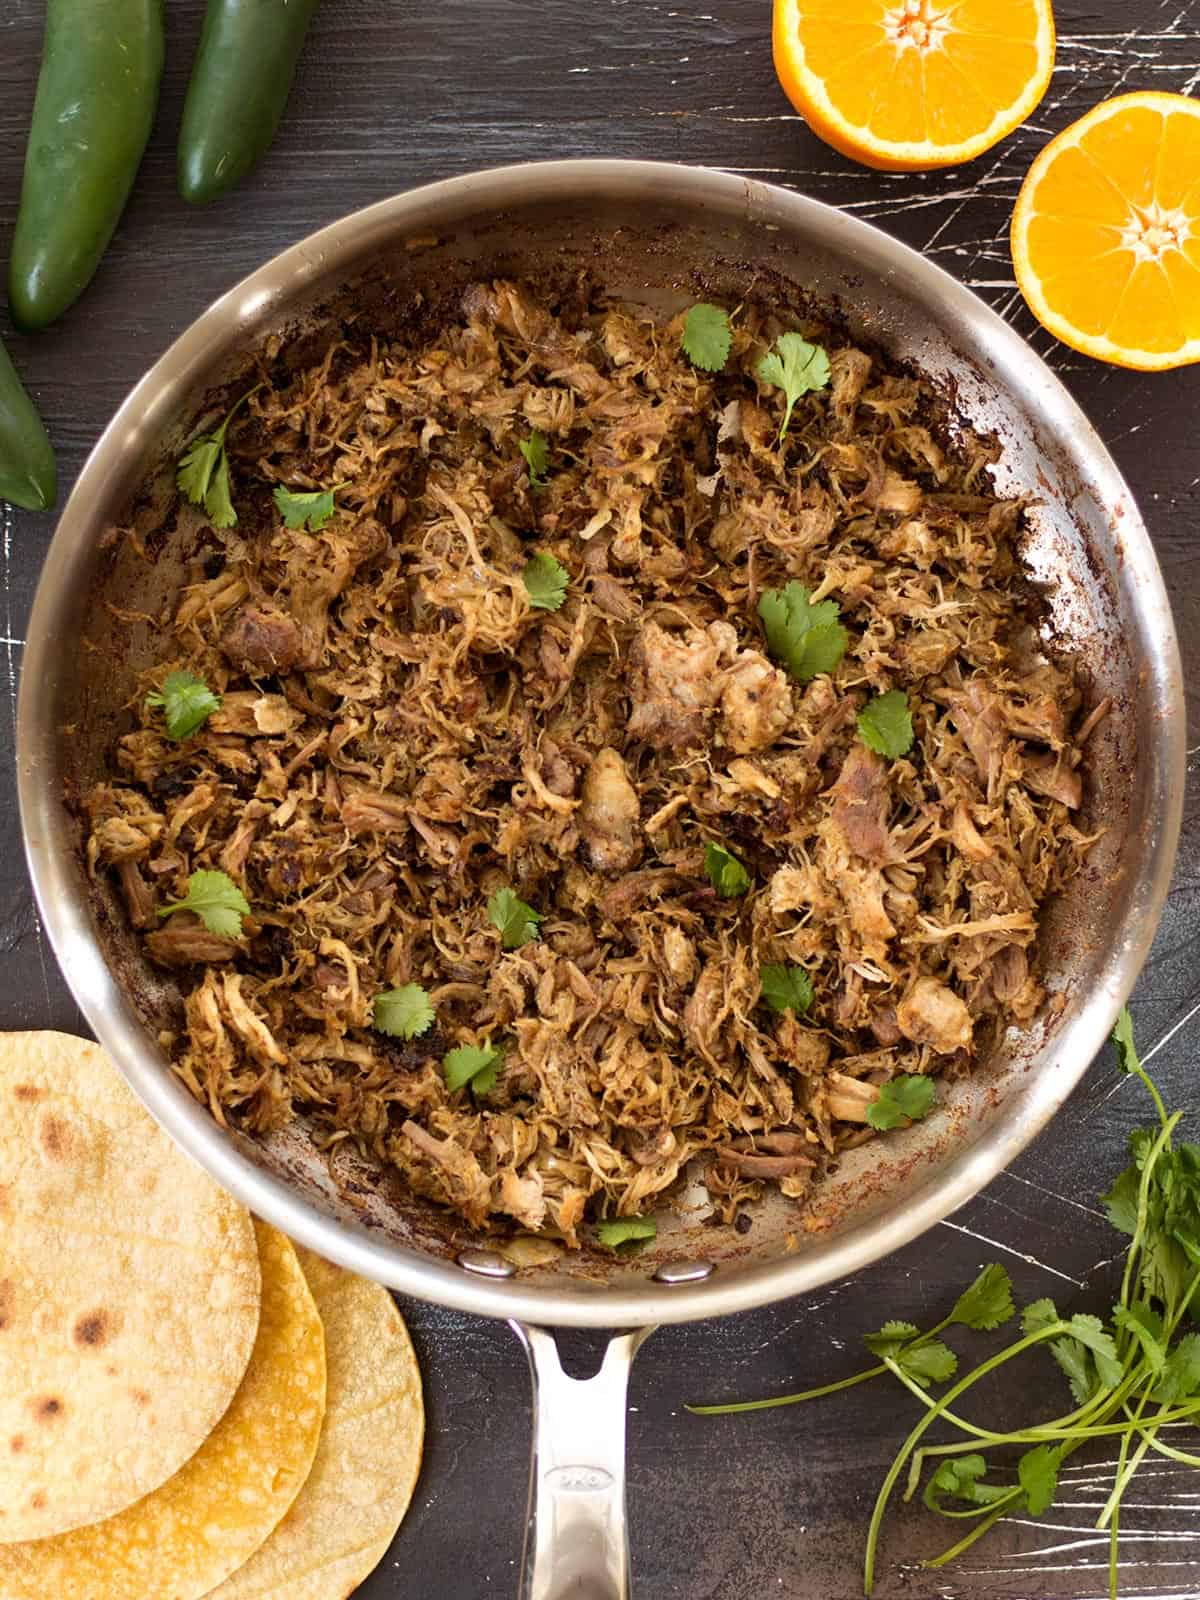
[(1132, 1378)]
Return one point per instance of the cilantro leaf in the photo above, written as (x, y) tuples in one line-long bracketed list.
[(707, 337), (1145, 1327), (885, 726), (545, 582), (1090, 1331), (959, 1478), (626, 1233), (928, 1363), (1122, 1037), (1078, 1366), (890, 1338), (903, 1099), (1121, 1202), (1180, 1376), (987, 1303), (1037, 1472), (786, 988), (517, 922), (197, 465), (1073, 1355), (218, 499), (806, 638), (405, 1013), (299, 508), (1037, 1315), (216, 900), (203, 472), (725, 872), (536, 451), (478, 1065), (795, 366), (187, 703)]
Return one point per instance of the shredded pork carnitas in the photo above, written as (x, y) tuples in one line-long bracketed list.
[(402, 734)]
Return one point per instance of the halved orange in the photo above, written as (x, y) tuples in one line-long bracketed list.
[(1106, 232), (905, 84)]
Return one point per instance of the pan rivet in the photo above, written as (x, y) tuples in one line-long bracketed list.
[(684, 1272), (486, 1263)]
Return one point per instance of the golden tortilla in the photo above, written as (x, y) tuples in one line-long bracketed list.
[(346, 1515), (202, 1524), (129, 1292)]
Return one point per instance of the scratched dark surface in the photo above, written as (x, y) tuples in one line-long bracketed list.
[(392, 95)]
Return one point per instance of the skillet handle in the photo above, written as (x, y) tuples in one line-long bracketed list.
[(576, 1546)]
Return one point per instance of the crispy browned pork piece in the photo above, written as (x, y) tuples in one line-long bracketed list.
[(403, 733)]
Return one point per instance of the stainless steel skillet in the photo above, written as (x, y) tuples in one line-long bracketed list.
[(662, 235)]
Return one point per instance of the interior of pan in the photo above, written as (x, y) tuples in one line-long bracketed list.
[(661, 237)]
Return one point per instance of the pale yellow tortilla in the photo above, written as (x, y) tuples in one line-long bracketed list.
[(345, 1517), (129, 1292), (202, 1524)]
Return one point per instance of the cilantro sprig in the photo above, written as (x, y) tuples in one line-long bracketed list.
[(517, 922), (1129, 1376), (301, 508), (216, 900), (806, 638), (796, 367), (707, 337), (545, 582), (404, 1013), (203, 471), (725, 872), (536, 450), (186, 703), (786, 988), (885, 724), (984, 1304)]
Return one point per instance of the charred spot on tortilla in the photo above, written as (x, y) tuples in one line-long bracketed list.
[(54, 1136), (93, 1329)]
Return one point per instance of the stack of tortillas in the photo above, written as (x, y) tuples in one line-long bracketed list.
[(189, 1406)]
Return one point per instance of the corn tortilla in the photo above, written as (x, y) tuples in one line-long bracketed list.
[(345, 1517), (202, 1524), (129, 1292)]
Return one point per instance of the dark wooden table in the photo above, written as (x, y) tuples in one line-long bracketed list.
[(392, 95)]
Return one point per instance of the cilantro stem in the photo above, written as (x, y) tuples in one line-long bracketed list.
[(788, 1399), (1047, 1433), (1068, 1426), (1114, 1555), (1143, 1208), (219, 435), (947, 1416), (994, 1513), (1127, 1464), (828, 1388), (1114, 1530), (1052, 1330), (1155, 1443), (1177, 1316), (1140, 1072)]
